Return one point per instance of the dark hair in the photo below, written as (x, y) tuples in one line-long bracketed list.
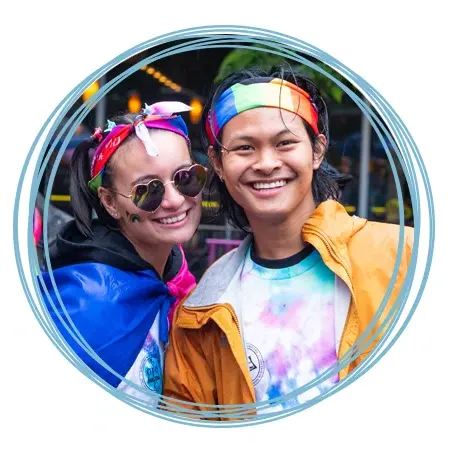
[(83, 200), (327, 182)]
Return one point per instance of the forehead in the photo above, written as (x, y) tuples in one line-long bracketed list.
[(263, 122), (133, 161)]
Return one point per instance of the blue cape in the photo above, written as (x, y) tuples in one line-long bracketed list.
[(112, 309)]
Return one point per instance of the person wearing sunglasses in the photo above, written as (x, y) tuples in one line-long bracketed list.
[(300, 303), (114, 281)]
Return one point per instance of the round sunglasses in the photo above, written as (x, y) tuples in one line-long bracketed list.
[(188, 182)]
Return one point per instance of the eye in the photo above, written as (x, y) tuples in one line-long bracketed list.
[(243, 148), (286, 143)]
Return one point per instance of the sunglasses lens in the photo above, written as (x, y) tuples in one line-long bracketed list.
[(148, 196), (190, 182)]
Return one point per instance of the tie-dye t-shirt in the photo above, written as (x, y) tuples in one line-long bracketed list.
[(288, 325)]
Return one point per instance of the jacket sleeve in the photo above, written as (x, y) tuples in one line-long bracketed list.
[(373, 253)]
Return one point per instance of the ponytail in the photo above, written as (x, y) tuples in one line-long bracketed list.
[(83, 200)]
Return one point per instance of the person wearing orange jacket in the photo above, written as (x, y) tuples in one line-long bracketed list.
[(285, 307)]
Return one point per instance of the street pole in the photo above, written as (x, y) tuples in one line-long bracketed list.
[(364, 167), (100, 116), (227, 230), (100, 108)]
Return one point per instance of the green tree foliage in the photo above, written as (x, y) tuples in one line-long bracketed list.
[(247, 58)]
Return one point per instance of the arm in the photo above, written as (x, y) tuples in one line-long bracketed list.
[(373, 253)]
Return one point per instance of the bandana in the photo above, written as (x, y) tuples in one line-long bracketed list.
[(159, 116), (257, 93)]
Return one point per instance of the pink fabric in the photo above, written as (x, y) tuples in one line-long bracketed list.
[(180, 285), (37, 226)]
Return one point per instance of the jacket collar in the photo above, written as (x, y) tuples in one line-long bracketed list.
[(215, 281), (329, 229)]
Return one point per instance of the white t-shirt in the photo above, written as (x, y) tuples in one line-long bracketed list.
[(147, 370), (287, 313)]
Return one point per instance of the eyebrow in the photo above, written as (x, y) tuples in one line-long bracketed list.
[(149, 177)]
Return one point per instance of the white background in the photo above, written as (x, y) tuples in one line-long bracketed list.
[(401, 51)]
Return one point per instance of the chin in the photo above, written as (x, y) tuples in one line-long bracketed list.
[(271, 217), (268, 213), (181, 235)]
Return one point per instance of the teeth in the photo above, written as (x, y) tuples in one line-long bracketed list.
[(173, 219), (271, 185)]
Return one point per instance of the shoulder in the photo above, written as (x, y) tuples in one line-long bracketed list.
[(101, 280), (217, 278), (382, 235), (375, 247)]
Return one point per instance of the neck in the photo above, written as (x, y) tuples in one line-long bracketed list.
[(155, 255), (279, 239)]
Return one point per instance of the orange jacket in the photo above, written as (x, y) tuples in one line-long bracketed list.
[(206, 361)]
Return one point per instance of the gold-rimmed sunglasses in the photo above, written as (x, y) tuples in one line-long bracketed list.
[(149, 196)]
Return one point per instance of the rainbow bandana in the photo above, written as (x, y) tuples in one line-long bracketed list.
[(159, 116), (257, 93)]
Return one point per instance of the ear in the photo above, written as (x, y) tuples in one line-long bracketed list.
[(319, 151), (215, 159), (108, 200)]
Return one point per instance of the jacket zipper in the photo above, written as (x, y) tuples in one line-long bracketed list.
[(325, 240), (233, 314), (335, 256)]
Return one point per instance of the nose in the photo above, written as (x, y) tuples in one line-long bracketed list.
[(267, 161), (172, 198)]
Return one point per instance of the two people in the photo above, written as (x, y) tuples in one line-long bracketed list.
[(268, 317)]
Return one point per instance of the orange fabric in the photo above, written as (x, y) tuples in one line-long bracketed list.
[(206, 362)]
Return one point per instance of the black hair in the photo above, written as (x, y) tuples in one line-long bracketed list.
[(327, 182), (83, 199)]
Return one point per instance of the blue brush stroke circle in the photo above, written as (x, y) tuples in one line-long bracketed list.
[(387, 125)]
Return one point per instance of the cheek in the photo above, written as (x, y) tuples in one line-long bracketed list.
[(197, 203), (131, 214), (301, 162), (134, 218), (196, 206), (123, 204), (233, 167), (126, 207)]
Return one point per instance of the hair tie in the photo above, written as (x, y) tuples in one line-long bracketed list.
[(98, 135), (161, 115), (142, 133), (111, 125), (256, 93)]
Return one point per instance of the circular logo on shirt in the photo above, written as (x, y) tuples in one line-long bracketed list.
[(255, 363), (150, 372)]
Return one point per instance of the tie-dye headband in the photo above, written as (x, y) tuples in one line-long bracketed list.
[(256, 93), (159, 116)]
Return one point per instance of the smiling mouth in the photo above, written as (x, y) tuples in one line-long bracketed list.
[(260, 186), (173, 219)]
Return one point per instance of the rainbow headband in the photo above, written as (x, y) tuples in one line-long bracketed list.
[(257, 93), (159, 116)]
